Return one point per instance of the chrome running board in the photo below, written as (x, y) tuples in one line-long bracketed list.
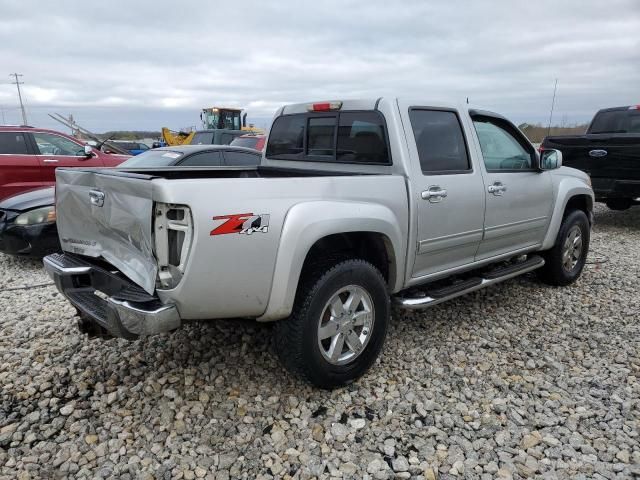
[(476, 283)]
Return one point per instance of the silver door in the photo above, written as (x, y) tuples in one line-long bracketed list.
[(450, 191), (519, 197)]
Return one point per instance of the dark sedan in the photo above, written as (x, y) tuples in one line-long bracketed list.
[(28, 223), (28, 220), (194, 156)]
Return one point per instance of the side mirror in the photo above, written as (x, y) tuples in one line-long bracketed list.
[(550, 159), (87, 153)]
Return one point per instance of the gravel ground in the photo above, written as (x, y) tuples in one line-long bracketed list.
[(517, 381)]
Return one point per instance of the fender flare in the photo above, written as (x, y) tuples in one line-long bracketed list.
[(308, 222), (568, 188)]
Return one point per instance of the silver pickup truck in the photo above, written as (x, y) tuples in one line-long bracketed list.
[(356, 203)]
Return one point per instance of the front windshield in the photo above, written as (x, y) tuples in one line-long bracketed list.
[(153, 158)]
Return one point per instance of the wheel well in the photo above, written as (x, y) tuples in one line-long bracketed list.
[(370, 246), (579, 202)]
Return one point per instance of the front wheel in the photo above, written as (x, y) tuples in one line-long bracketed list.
[(338, 324), (565, 261)]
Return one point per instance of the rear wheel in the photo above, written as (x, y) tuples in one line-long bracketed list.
[(338, 324), (619, 203), (565, 261)]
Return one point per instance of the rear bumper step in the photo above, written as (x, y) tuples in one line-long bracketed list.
[(434, 297), (116, 304)]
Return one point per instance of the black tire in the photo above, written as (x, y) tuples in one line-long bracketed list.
[(619, 203), (297, 338), (554, 271)]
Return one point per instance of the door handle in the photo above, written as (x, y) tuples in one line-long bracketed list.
[(434, 194), (497, 188), (50, 160)]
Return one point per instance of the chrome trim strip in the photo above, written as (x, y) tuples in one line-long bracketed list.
[(513, 224)]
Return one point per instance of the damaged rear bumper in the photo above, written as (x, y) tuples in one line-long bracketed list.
[(115, 303)]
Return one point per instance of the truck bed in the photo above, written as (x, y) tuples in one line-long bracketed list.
[(111, 214)]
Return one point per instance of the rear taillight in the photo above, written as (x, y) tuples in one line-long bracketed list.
[(324, 106), (634, 107), (173, 230)]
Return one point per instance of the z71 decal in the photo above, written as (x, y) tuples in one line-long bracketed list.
[(244, 223)]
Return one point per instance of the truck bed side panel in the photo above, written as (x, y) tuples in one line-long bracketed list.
[(231, 273)]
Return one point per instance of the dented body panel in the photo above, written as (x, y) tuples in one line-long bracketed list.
[(105, 216)]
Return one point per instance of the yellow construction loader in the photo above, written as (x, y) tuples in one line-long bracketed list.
[(176, 138), (227, 118)]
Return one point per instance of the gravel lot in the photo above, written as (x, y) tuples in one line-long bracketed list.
[(517, 381)]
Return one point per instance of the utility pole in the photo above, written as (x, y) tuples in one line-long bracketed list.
[(17, 83)]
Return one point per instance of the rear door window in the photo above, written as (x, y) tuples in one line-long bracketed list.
[(234, 159), (346, 137), (13, 143), (202, 159), (440, 141)]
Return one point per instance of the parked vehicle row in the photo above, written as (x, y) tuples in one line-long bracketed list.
[(28, 220), (355, 203)]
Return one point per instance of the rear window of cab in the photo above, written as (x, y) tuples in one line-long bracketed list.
[(345, 137)]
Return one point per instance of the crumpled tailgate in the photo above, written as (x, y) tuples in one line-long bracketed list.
[(106, 213)]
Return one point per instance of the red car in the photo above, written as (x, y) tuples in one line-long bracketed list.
[(29, 157)]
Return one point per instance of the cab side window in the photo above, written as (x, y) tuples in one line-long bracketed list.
[(502, 148), (203, 159), (13, 143), (440, 141), (241, 158), (49, 144)]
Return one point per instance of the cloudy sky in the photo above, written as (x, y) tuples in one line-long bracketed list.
[(141, 65)]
